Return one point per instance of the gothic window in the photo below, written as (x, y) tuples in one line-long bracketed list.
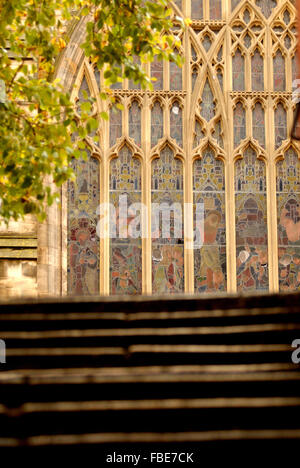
[(251, 223), (237, 76), (83, 246), (288, 213), (125, 224), (209, 224), (167, 224)]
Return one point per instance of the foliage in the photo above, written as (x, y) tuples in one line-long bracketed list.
[(37, 117)]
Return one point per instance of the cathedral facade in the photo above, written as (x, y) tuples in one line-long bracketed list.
[(212, 135)]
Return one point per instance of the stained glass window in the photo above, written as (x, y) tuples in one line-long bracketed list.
[(209, 224), (115, 125), (266, 6), (288, 212), (280, 125), (258, 124), (167, 224), (238, 71), (157, 71), (207, 105), (83, 242), (176, 122), (239, 123), (257, 71), (251, 224), (197, 9), (135, 122), (125, 227), (215, 9), (175, 77), (279, 72)]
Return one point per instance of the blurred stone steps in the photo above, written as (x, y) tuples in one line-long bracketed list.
[(111, 372)]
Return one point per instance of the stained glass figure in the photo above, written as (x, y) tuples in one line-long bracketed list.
[(251, 224), (207, 108), (167, 224), (157, 123), (157, 71), (238, 71), (280, 125), (135, 122), (209, 224), (176, 122), (125, 226), (115, 125), (83, 253), (175, 77), (257, 71), (196, 9), (258, 124), (239, 123), (279, 72), (288, 212)]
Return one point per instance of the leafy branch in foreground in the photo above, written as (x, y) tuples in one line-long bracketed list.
[(37, 117)]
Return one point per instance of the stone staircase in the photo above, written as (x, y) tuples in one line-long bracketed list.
[(150, 374)]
